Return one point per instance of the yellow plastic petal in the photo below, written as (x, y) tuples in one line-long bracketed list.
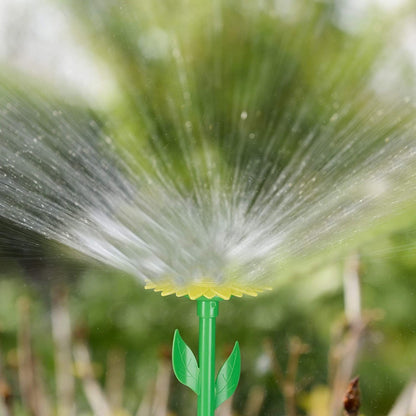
[(206, 288)]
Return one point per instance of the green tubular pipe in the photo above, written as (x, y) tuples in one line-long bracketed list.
[(207, 310)]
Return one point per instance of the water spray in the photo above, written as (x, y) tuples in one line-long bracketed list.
[(253, 160)]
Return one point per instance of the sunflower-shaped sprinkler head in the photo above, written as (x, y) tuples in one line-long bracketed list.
[(200, 377)]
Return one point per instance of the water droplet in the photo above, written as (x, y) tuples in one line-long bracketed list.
[(176, 53), (334, 117), (251, 136), (244, 115), (188, 125)]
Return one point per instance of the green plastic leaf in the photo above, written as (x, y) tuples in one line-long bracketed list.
[(184, 363), (228, 376)]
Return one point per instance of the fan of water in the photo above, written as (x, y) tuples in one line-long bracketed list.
[(264, 138)]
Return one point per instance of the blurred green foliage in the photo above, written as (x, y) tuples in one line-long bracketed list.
[(115, 313)]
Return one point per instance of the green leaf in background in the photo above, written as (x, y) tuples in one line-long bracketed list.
[(184, 363), (228, 376)]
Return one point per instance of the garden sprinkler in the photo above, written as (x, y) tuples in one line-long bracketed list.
[(200, 377)]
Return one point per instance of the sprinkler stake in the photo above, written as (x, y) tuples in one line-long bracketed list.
[(201, 379)]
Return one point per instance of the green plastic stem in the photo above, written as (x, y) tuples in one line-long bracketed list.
[(207, 310), (200, 378)]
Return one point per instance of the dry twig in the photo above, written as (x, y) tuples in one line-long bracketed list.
[(352, 398)]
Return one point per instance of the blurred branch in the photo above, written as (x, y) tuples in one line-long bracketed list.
[(6, 408), (225, 409), (146, 402), (155, 401), (6, 396), (287, 381), (405, 404), (61, 332), (162, 385), (275, 365), (31, 384), (116, 366), (343, 354), (255, 401), (95, 395), (352, 289)]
